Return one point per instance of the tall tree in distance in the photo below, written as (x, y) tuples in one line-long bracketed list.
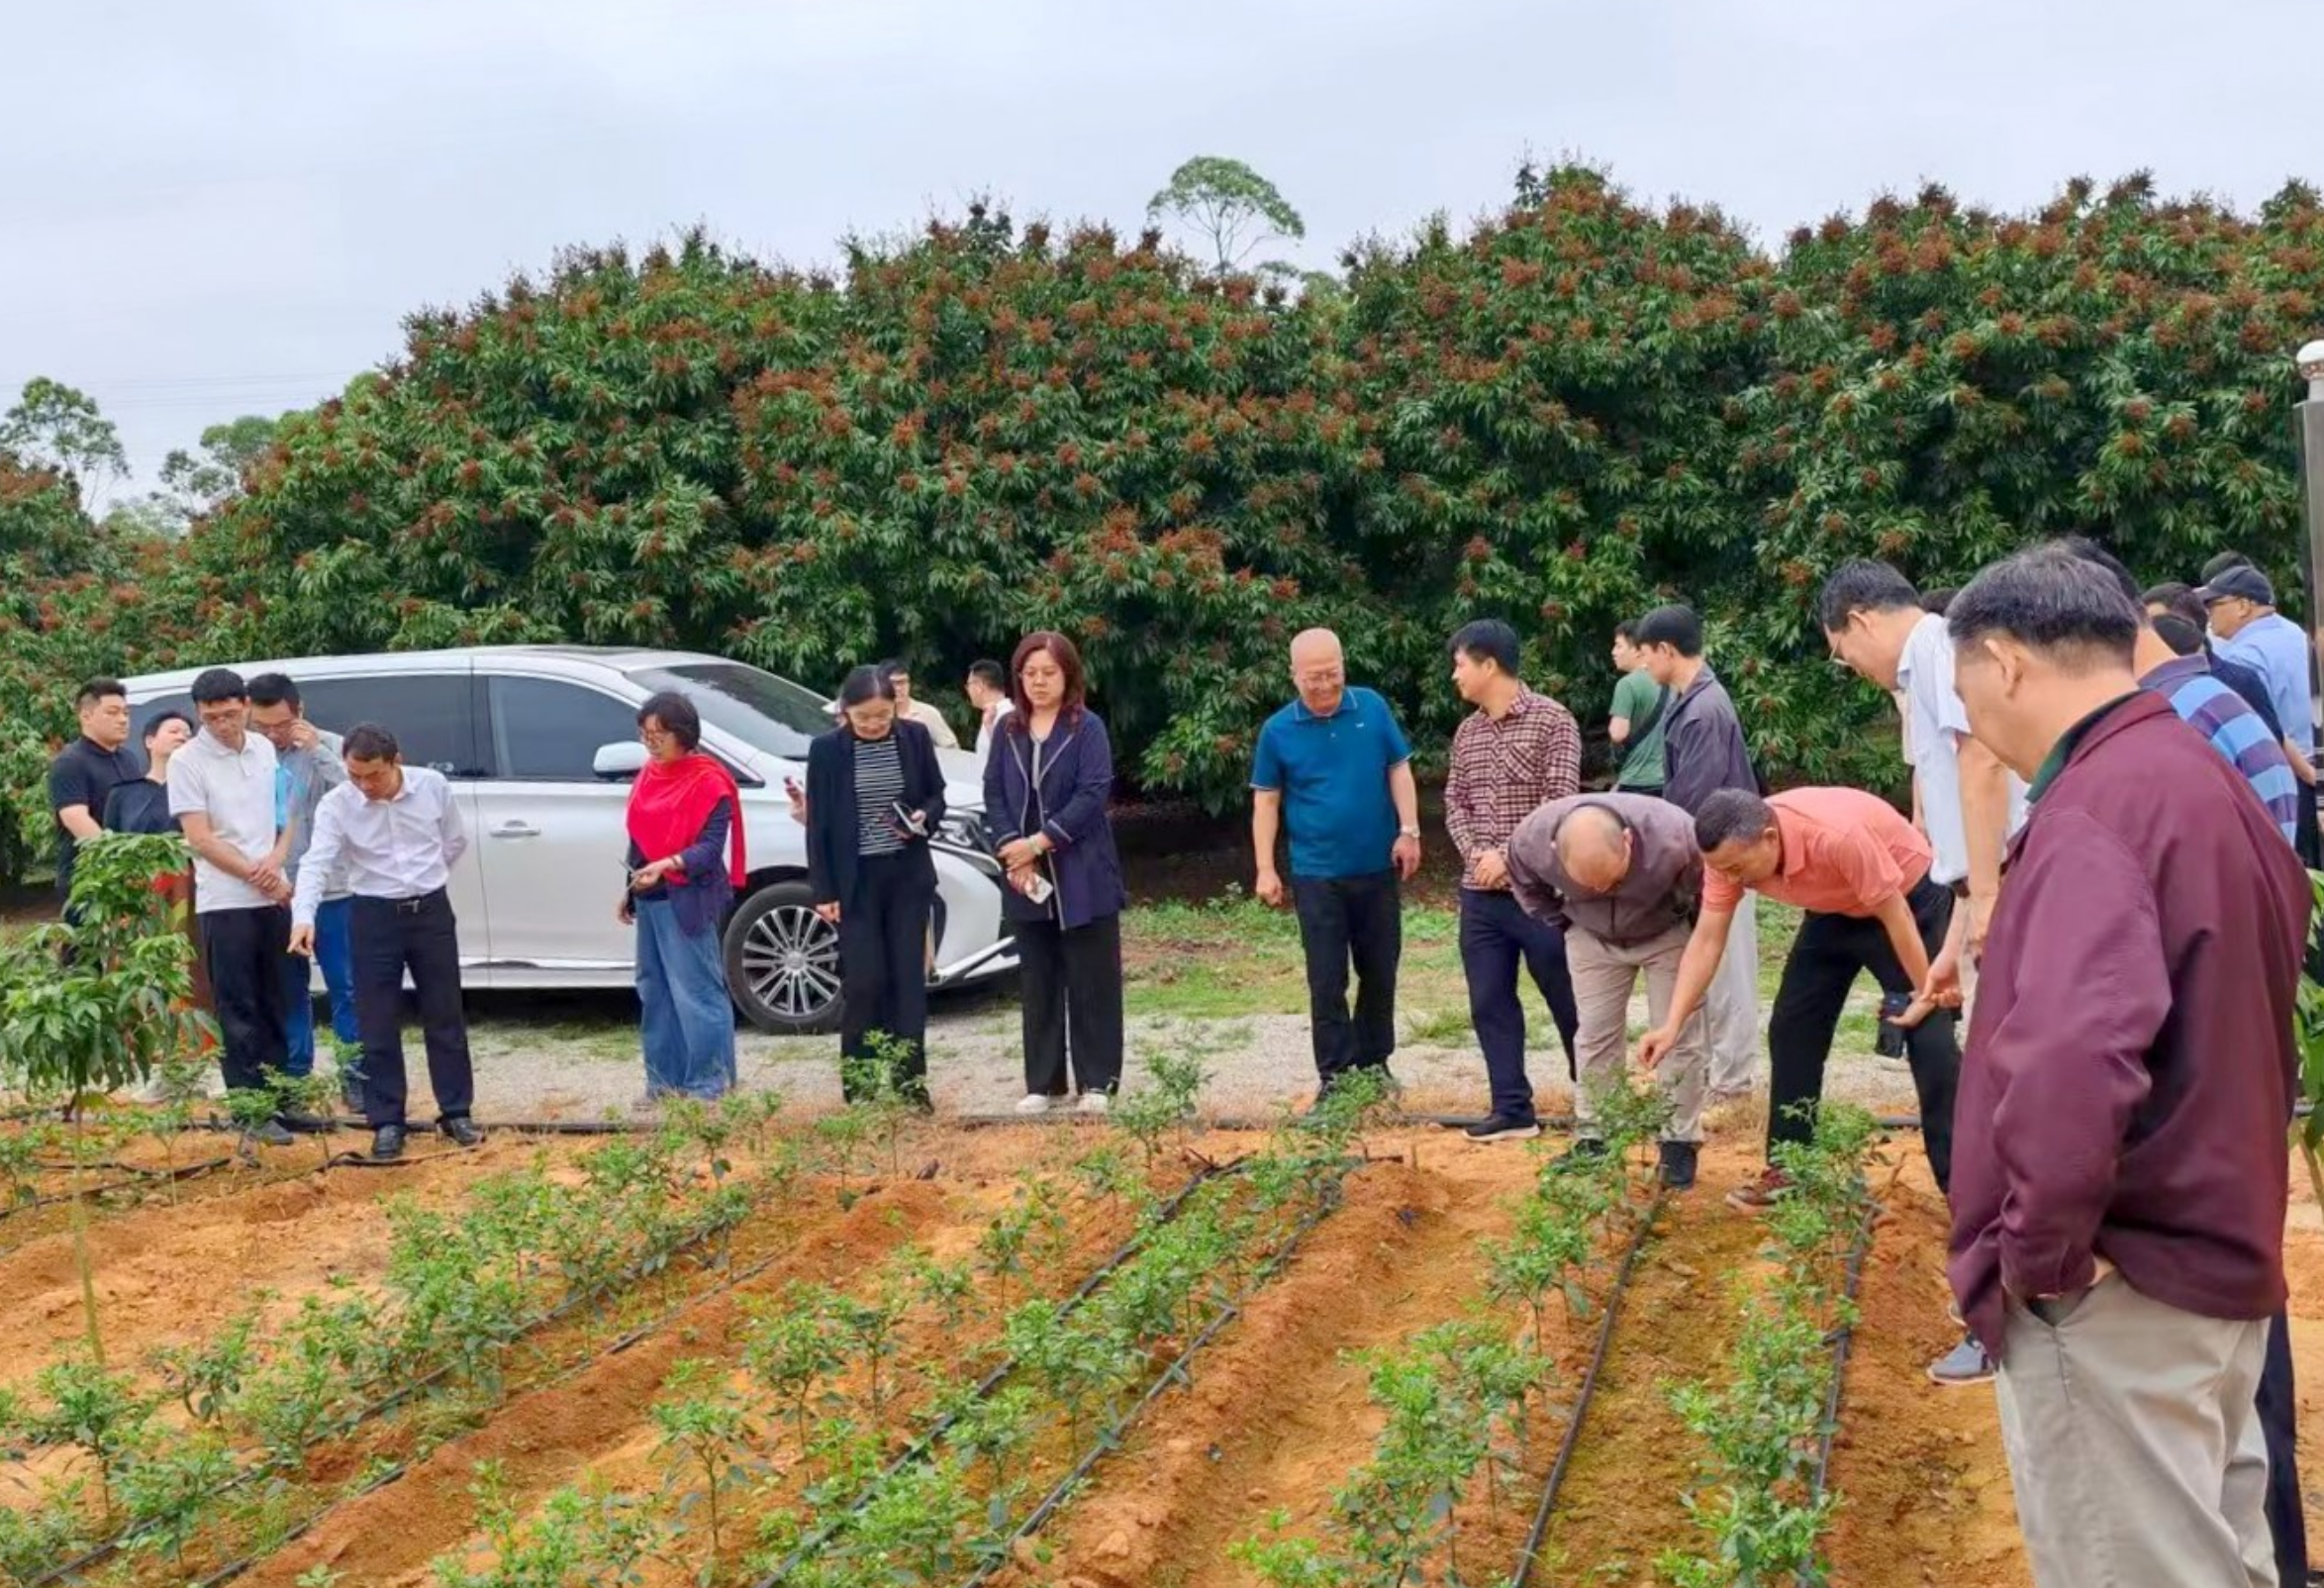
[(1232, 207), (197, 484), (54, 427)]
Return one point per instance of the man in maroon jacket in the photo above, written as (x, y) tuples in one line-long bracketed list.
[(2119, 1218)]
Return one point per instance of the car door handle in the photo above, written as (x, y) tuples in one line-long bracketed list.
[(516, 830)]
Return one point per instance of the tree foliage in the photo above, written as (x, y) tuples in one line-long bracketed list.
[(1231, 207), (1578, 408)]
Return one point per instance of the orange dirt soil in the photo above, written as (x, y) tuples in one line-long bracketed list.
[(1276, 1416)]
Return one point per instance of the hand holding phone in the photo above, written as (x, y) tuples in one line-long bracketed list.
[(915, 822)]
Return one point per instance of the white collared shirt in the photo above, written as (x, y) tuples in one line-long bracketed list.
[(398, 848), (1935, 724), (990, 726), (235, 789)]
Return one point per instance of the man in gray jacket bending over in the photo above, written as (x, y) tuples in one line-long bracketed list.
[(1621, 872)]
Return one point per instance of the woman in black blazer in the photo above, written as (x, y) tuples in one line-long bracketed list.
[(874, 796)]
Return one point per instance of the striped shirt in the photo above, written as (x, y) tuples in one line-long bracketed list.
[(1506, 767), (2235, 731), (879, 784)]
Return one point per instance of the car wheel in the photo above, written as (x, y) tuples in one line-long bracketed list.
[(783, 962)]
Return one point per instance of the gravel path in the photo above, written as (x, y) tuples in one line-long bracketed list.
[(528, 1067)]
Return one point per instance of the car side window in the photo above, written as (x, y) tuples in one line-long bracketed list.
[(431, 714), (549, 729)]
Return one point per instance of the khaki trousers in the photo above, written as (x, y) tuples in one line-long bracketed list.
[(2134, 1446), (1605, 974), (1732, 1006)]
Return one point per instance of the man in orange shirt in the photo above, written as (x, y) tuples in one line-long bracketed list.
[(1861, 873)]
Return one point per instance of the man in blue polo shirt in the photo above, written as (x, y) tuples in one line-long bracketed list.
[(1335, 766)]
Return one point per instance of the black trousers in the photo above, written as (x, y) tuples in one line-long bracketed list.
[(883, 964), (1827, 957), (387, 937), (242, 951), (1072, 983), (1497, 938), (1347, 921), (2278, 1407)]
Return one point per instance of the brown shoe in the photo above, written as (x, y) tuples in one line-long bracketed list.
[(1757, 1196)]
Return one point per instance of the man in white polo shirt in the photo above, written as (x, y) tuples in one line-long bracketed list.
[(222, 794), (395, 831), (1969, 802)]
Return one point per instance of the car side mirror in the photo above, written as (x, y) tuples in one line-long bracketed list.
[(615, 762)]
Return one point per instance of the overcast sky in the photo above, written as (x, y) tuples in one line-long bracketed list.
[(226, 208)]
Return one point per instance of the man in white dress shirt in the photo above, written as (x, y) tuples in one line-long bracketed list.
[(396, 830), (987, 692)]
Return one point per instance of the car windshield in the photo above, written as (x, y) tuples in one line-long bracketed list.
[(763, 711)]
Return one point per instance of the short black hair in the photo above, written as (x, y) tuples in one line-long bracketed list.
[(274, 689), (215, 684), (2223, 562), (2179, 600), (1679, 628), (2054, 599), (677, 715), (368, 742), (1937, 600), (1731, 815), (2184, 638), (894, 666), (1628, 630), (2090, 552), (1862, 585), (990, 673), (171, 715), (95, 689), (1488, 640), (866, 684)]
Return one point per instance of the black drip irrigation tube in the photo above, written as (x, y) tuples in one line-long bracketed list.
[(71, 1571), (919, 1447), (1175, 1374), (1809, 1576), (141, 1179), (1572, 1438)]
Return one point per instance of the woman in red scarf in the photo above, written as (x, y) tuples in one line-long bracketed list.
[(686, 860)]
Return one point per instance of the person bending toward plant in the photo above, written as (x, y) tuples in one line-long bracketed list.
[(2118, 1221), (1622, 875), (874, 795), (686, 860), (1513, 753), (1047, 785), (1335, 768), (222, 795), (397, 832)]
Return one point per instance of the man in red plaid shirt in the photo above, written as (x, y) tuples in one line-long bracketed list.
[(1513, 753)]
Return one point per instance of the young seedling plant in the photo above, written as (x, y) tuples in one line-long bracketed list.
[(708, 1436)]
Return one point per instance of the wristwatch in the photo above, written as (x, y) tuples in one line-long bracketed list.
[(1407, 832)]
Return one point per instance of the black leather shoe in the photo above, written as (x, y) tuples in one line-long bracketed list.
[(271, 1133), (463, 1130), (304, 1123), (387, 1143), (1678, 1164)]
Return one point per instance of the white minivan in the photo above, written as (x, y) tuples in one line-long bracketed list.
[(540, 742)]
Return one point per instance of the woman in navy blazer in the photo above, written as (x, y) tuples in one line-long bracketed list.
[(874, 796), (1046, 785)]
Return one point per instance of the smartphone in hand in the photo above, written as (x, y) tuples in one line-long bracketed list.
[(915, 822)]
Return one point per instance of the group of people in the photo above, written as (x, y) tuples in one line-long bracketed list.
[(2113, 803), (2120, 899)]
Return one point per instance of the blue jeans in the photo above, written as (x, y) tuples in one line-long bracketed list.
[(1497, 937), (687, 1022), (334, 953)]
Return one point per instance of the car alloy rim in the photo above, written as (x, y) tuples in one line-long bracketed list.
[(790, 962)]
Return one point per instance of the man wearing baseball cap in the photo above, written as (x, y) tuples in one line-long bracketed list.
[(2247, 627)]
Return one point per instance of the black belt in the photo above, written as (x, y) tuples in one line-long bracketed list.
[(404, 906)]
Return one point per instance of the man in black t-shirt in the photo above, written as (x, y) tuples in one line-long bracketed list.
[(86, 772)]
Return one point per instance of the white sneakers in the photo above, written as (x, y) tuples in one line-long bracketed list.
[(1035, 1103)]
